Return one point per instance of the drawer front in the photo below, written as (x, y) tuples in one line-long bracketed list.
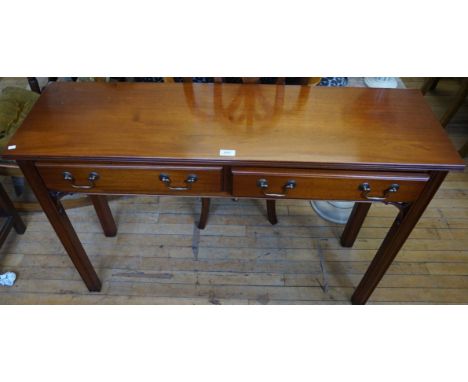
[(326, 184), (123, 179)]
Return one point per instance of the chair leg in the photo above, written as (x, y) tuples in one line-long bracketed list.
[(459, 99), (271, 211), (205, 210), (104, 214), (18, 184), (10, 210), (429, 84), (34, 85)]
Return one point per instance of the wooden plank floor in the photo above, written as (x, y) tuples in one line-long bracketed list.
[(160, 257)]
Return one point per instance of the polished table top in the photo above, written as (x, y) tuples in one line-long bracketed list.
[(290, 125), (163, 139)]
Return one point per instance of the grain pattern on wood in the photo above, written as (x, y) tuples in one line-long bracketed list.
[(284, 124), (415, 277)]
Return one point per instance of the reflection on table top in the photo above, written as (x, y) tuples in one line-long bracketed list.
[(292, 125)]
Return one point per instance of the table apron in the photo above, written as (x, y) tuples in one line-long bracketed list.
[(227, 181)]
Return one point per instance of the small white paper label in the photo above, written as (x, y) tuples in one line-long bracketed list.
[(227, 153), (11, 147)]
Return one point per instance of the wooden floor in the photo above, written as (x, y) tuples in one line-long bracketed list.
[(160, 257)]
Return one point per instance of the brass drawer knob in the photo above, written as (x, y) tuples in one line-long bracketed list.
[(365, 189), (92, 177), (263, 185), (192, 178)]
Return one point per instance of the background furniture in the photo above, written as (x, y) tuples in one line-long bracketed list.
[(15, 104), (13, 220), (431, 84), (8, 211), (464, 150), (459, 98)]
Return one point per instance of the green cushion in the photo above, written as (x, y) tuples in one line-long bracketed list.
[(15, 104)]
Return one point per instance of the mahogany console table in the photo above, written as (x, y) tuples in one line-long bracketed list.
[(229, 140)]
